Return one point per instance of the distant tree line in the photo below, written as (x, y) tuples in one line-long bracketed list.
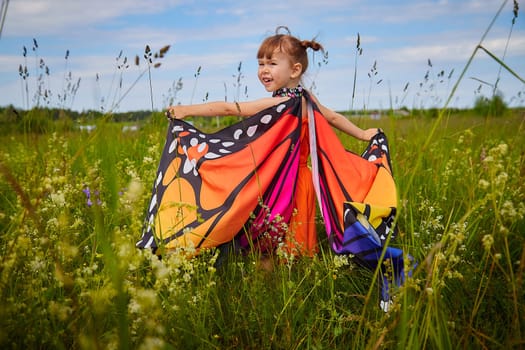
[(41, 120)]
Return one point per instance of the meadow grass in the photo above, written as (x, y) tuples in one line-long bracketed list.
[(72, 205), (71, 276)]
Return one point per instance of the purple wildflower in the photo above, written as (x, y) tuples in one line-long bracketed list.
[(87, 192)]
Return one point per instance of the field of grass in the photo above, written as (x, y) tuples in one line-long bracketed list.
[(72, 206)]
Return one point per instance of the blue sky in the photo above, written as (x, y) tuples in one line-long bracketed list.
[(399, 36)]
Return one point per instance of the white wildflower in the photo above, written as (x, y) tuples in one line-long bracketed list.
[(483, 184), (503, 148), (341, 260), (58, 199), (501, 179), (487, 241), (508, 210)]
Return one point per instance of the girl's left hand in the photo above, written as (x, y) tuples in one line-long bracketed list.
[(369, 133)]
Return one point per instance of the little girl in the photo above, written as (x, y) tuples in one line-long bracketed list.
[(282, 60), (250, 183)]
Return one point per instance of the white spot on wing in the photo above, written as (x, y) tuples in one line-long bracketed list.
[(266, 119), (173, 145), (188, 166), (150, 241), (153, 202), (211, 155), (251, 130)]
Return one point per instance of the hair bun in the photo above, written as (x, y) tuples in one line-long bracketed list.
[(312, 44)]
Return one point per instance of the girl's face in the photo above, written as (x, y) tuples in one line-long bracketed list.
[(278, 72)]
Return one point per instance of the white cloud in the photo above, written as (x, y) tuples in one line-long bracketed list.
[(414, 11), (456, 51), (8, 63), (45, 17)]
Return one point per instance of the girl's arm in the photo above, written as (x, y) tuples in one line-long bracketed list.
[(342, 123), (213, 109)]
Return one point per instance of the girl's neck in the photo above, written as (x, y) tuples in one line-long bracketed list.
[(289, 92)]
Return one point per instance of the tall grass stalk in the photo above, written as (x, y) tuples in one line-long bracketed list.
[(359, 52), (515, 15), (196, 76), (443, 111)]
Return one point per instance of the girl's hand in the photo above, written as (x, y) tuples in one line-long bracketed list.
[(369, 133), (175, 112)]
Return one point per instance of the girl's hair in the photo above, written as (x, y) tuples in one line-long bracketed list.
[(290, 45)]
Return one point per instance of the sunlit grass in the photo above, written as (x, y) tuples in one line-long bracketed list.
[(72, 206), (72, 277)]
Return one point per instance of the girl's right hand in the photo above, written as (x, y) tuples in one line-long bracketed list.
[(369, 133)]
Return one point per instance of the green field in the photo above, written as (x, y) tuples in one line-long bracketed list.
[(72, 206), (71, 277)]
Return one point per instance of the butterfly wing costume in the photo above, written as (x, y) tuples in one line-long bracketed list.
[(237, 183)]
